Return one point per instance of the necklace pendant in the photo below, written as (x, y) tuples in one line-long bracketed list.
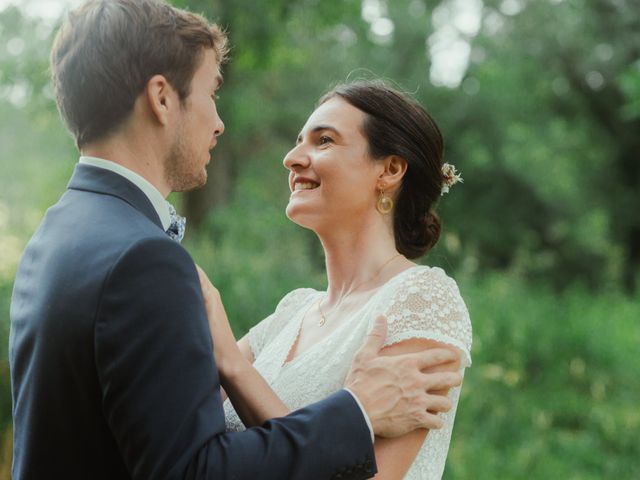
[(323, 319)]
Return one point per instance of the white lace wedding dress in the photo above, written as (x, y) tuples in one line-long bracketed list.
[(421, 302)]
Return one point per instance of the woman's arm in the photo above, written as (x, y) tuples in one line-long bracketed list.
[(245, 350), (252, 397), (255, 401), (394, 456)]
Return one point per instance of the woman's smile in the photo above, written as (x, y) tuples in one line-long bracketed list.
[(300, 183)]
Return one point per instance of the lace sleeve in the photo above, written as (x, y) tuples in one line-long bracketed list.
[(427, 304), (262, 333)]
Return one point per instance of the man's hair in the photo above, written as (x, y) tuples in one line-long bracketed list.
[(107, 50)]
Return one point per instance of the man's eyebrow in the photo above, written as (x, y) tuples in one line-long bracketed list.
[(319, 128)]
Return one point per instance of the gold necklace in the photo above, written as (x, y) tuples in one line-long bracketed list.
[(323, 318)]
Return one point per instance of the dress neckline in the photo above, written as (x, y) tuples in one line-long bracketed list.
[(314, 296)]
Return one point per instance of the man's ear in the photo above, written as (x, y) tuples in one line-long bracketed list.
[(391, 176), (161, 98)]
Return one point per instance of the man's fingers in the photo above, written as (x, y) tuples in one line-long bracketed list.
[(438, 403), (435, 356), (435, 404), (430, 421), (375, 338), (379, 328), (441, 381)]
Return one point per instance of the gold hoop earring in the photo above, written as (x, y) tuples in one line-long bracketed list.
[(384, 204)]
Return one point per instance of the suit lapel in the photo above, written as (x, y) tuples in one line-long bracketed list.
[(94, 179)]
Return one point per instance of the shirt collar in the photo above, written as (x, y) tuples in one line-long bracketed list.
[(153, 194)]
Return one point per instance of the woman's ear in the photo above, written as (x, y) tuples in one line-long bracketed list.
[(391, 176), (161, 98)]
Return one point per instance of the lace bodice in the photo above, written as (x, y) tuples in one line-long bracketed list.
[(421, 302)]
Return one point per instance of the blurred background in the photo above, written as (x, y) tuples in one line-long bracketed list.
[(539, 103)]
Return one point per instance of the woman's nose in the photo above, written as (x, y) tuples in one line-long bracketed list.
[(297, 157)]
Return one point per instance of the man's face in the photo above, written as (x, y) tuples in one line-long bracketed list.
[(198, 127)]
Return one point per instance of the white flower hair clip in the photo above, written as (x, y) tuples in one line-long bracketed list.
[(449, 177)]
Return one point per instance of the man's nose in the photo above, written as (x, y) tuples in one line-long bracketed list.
[(219, 130)]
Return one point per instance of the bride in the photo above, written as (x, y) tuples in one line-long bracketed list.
[(365, 174)]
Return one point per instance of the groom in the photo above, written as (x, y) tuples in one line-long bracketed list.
[(112, 364)]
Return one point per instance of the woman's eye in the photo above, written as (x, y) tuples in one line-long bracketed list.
[(324, 140)]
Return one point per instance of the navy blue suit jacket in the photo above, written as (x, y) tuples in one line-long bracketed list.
[(112, 365)]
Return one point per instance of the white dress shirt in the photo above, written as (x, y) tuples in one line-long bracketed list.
[(153, 194)]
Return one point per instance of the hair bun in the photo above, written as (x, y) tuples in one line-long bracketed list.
[(433, 226), (416, 239)]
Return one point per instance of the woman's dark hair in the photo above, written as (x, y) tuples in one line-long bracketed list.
[(396, 125)]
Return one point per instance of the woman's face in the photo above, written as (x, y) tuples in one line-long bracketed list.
[(332, 178)]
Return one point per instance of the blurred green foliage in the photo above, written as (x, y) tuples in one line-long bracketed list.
[(554, 392), (543, 236)]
